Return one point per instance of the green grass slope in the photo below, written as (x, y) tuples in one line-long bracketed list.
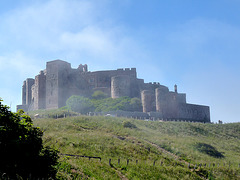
[(143, 149)]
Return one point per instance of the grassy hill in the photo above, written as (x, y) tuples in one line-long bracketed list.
[(142, 149)]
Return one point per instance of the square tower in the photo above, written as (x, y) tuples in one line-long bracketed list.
[(57, 72)]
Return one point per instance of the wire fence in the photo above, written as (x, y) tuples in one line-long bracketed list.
[(119, 161)]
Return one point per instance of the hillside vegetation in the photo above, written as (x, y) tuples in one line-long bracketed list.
[(137, 149)]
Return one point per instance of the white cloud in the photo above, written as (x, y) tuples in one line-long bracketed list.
[(90, 39), (18, 64), (69, 30), (39, 25), (15, 68)]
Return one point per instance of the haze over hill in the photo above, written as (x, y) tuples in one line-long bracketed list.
[(191, 44)]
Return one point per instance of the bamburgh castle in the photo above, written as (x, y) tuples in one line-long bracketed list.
[(53, 86)]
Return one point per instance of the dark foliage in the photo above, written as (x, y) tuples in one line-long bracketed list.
[(128, 124), (209, 150), (21, 149)]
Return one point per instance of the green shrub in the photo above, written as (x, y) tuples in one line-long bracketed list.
[(21, 148), (79, 104), (209, 150), (128, 124), (99, 95)]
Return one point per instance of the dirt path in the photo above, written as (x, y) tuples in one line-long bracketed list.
[(167, 152), (173, 155), (122, 177), (160, 149)]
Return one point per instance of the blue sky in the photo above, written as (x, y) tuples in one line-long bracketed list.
[(192, 43)]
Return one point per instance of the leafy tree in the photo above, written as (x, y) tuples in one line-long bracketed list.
[(136, 104), (21, 148), (99, 95), (99, 104), (122, 103), (79, 104)]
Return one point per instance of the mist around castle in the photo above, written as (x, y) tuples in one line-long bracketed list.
[(53, 86)]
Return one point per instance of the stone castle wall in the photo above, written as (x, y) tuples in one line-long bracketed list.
[(52, 87)]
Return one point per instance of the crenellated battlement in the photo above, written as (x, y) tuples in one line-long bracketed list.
[(127, 69)]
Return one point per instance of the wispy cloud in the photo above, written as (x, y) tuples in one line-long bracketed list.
[(70, 28), (14, 69), (77, 31)]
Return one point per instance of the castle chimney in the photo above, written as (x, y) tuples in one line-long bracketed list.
[(175, 88), (80, 67), (85, 68)]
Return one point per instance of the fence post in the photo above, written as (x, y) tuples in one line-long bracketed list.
[(154, 162)]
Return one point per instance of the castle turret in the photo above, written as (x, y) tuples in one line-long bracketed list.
[(175, 88), (80, 68), (148, 101), (83, 68), (120, 86), (40, 91), (24, 93), (161, 98), (29, 83)]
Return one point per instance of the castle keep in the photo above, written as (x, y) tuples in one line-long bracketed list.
[(53, 86)]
